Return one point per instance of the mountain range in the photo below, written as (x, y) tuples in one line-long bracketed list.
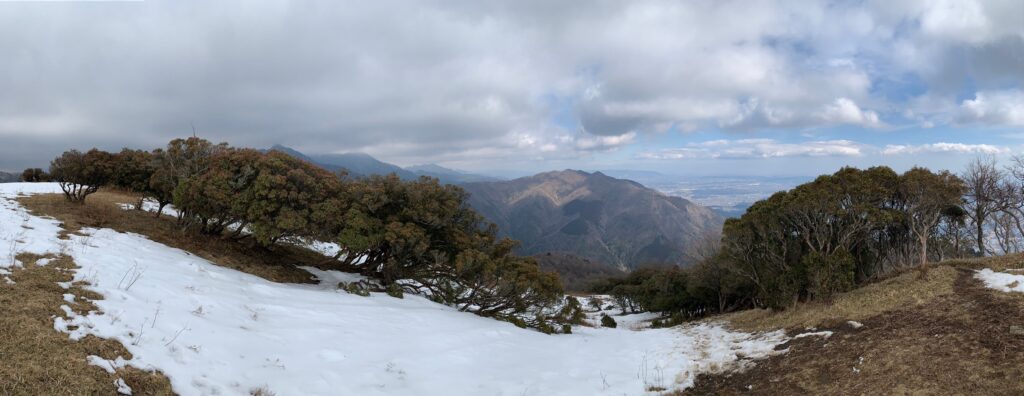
[(595, 216), (360, 164), (610, 222)]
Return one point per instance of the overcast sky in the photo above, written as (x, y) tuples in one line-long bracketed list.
[(694, 87)]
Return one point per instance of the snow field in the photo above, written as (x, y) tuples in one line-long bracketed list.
[(216, 331)]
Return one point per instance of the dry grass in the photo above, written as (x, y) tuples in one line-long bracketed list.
[(37, 360), (956, 343), (103, 210), (897, 292)]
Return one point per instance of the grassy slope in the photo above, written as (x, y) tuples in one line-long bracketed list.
[(946, 334)]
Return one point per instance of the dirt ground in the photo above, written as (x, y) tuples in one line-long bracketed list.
[(959, 343)]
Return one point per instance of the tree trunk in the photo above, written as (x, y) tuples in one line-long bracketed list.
[(924, 250), (980, 224)]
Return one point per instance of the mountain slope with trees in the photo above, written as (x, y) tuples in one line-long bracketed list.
[(594, 216)]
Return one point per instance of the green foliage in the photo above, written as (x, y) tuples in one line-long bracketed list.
[(826, 236), (132, 170), (571, 312), (608, 321), (80, 174), (356, 288), (394, 290)]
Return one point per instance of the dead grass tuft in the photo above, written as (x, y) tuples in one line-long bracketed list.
[(37, 360), (103, 210)]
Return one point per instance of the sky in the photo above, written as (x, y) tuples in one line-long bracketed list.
[(760, 88)]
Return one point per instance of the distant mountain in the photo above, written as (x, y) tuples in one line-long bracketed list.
[(576, 273), (450, 176), (359, 165), (594, 216), (8, 177)]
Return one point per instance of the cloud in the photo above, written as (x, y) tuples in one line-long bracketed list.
[(594, 143), (770, 148), (759, 148), (959, 148), (845, 111), (487, 80), (1004, 107)]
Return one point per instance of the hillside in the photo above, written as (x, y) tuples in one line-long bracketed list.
[(577, 274), (9, 177), (959, 331), (594, 216), (208, 319)]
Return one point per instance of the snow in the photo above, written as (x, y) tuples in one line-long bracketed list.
[(1001, 280), (823, 334), (217, 331)]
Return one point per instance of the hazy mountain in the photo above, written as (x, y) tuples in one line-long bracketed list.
[(8, 177), (359, 164), (446, 175), (594, 216)]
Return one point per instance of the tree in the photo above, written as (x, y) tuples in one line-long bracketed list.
[(287, 193), (132, 170), (34, 175), (80, 174), (180, 160), (985, 193), (927, 197)]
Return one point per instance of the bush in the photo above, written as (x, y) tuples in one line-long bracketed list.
[(394, 290), (34, 175), (607, 321), (81, 174), (356, 288)]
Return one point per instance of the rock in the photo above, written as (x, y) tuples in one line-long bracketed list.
[(1017, 330)]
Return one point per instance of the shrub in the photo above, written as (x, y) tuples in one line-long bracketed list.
[(394, 290), (607, 321), (80, 174), (34, 175), (181, 160), (132, 170)]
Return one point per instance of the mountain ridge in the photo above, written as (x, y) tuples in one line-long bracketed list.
[(616, 221)]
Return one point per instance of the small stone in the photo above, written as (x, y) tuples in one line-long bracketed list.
[(1017, 330)]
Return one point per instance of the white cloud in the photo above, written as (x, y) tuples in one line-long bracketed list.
[(846, 111), (458, 79), (759, 148), (1004, 107), (597, 143), (960, 148)]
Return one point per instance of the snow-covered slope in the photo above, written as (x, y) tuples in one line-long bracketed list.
[(216, 331)]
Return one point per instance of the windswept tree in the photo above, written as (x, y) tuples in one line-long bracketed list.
[(985, 194), (928, 196), (286, 195), (180, 160), (80, 174)]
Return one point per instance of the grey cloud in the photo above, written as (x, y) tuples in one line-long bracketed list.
[(429, 80)]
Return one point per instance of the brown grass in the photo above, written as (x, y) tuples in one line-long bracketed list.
[(37, 360), (956, 343), (102, 210), (897, 292)]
